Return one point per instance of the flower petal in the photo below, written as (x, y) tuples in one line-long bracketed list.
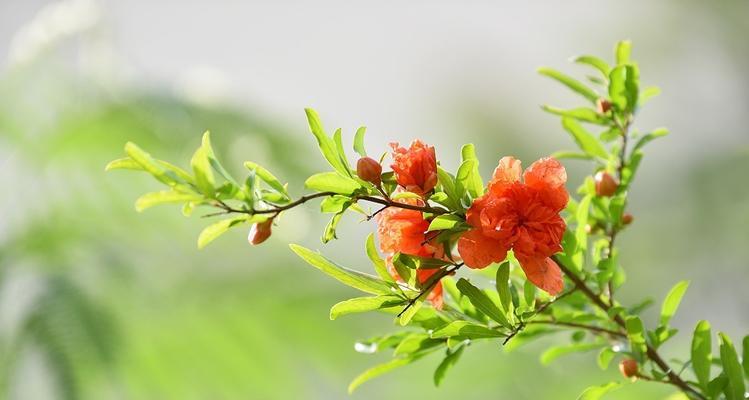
[(548, 176), (507, 172), (478, 251), (544, 273)]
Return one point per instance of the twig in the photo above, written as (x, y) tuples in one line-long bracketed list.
[(652, 353), (592, 328), (431, 284)]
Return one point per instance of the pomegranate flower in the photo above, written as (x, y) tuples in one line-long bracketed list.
[(404, 231), (522, 216), (416, 167)]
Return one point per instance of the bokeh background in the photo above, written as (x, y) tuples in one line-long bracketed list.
[(99, 302)]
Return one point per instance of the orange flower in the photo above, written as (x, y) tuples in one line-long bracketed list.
[(404, 231), (416, 167), (522, 216)]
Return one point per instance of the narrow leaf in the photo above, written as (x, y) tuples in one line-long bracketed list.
[(701, 353), (671, 303), (363, 304), (379, 370), (557, 351), (164, 197), (586, 141), (597, 392), (379, 263), (331, 182), (267, 177), (482, 302), (359, 141), (732, 368), (358, 280), (596, 63), (571, 83), (213, 231), (503, 286), (450, 360)]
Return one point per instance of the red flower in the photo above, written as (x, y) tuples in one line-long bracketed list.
[(404, 231), (522, 216), (416, 167)]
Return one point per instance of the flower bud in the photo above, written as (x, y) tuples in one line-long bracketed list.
[(369, 170), (606, 185), (603, 106), (259, 232), (628, 367), (627, 219)]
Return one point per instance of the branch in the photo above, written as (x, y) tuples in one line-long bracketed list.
[(652, 353), (431, 284), (592, 328), (278, 209)]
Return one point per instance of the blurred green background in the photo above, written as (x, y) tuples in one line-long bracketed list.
[(99, 302)]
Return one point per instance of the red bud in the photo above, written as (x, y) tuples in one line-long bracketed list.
[(606, 185), (627, 218), (369, 170), (603, 106), (259, 232), (628, 367)]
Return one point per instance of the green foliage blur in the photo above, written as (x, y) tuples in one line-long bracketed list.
[(97, 301)]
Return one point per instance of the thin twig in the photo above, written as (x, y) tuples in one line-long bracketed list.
[(592, 328), (652, 353), (431, 284)]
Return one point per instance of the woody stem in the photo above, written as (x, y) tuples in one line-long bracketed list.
[(434, 280), (652, 353), (276, 209)]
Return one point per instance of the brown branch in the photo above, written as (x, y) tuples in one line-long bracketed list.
[(592, 328), (652, 353), (431, 284)]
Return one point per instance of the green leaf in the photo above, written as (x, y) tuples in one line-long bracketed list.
[(503, 286), (571, 83), (405, 195), (555, 352), (406, 317), (580, 114), (123, 163), (529, 294), (671, 303), (449, 360), (201, 167), (334, 204), (329, 233), (586, 141), (327, 145), (596, 63), (381, 369), (149, 164), (415, 343), (363, 304), (623, 51), (605, 357), (648, 93), (702, 353), (482, 302), (445, 222), (745, 355), (355, 279), (164, 197), (331, 182), (379, 263), (359, 141), (213, 231), (341, 153), (449, 186), (732, 368), (597, 392), (636, 333), (660, 132), (570, 155), (267, 177), (466, 329), (474, 184), (623, 87)]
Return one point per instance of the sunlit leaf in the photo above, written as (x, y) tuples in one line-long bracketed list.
[(503, 286), (555, 352), (732, 368), (605, 357), (358, 280), (381, 369), (671, 303), (596, 63), (623, 51), (359, 141), (164, 197), (364, 304), (597, 392), (580, 114), (267, 177), (571, 83), (445, 222), (331, 182), (379, 263), (213, 231), (587, 142), (702, 353), (466, 329)]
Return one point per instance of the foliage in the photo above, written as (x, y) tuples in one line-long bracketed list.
[(437, 204)]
